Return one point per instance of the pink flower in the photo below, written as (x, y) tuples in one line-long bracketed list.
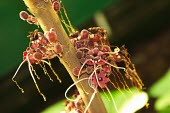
[(100, 79)]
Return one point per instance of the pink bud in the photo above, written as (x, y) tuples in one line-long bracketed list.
[(23, 15), (76, 71), (58, 49), (37, 56), (51, 36), (56, 6), (84, 34)]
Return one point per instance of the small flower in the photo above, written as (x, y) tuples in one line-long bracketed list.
[(100, 79)]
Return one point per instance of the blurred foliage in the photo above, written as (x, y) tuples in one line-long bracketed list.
[(160, 90), (14, 33), (56, 108), (81, 10), (126, 102)]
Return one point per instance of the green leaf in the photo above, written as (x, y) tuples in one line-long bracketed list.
[(126, 102), (161, 91), (161, 87), (163, 103)]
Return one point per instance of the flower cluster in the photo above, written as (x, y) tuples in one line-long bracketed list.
[(29, 18), (42, 47), (32, 20), (99, 61), (76, 106), (93, 51)]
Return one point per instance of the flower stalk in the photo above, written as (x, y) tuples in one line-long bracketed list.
[(47, 19)]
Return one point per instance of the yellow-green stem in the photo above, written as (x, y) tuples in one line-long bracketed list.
[(47, 19)]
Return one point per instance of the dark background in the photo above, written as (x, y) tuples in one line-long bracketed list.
[(142, 25)]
